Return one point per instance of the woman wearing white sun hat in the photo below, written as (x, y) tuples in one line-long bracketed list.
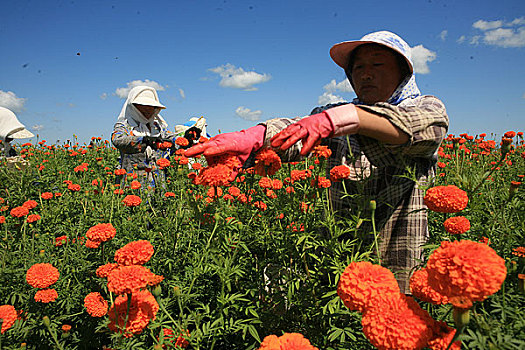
[(388, 136), (10, 129), (139, 130)]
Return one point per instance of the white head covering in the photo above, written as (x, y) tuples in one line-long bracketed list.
[(11, 127), (340, 53), (135, 119)]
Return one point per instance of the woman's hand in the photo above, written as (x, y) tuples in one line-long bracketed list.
[(311, 130), (240, 143)]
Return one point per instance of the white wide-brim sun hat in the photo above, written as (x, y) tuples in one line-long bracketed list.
[(147, 98), (341, 52), (21, 134)]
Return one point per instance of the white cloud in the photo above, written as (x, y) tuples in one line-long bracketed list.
[(342, 86), (10, 101), (238, 78), (103, 96), (443, 34), (329, 97), (461, 39), (421, 56), (486, 25), (500, 33), (37, 127), (505, 37), (182, 93), (246, 113), (123, 92)]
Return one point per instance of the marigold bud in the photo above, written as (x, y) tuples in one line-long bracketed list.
[(521, 283), (373, 205), (46, 321), (176, 291), (461, 317), (157, 291)]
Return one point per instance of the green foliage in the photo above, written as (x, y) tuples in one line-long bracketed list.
[(233, 273)]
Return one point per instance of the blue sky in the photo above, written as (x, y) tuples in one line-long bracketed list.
[(66, 66)]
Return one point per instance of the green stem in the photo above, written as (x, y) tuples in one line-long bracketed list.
[(488, 175), (55, 338)]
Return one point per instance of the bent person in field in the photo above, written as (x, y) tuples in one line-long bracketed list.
[(139, 133), (11, 129), (388, 137)]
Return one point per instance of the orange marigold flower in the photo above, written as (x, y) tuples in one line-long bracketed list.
[(397, 322), (182, 141), (142, 309), (457, 225), (59, 241), (8, 315), (363, 283), (265, 182), (322, 152), (442, 335), (32, 218), (30, 204), (234, 191), (73, 187), (2, 219), (128, 279), (287, 341), (46, 195), (169, 194), (446, 199), (92, 244), (211, 192), (218, 172), (134, 253), (267, 162), (320, 182), (509, 134), (178, 342), (19, 212), (520, 251), (277, 184), (120, 172), (131, 200), (66, 328), (260, 205), (46, 296), (339, 173), (163, 163), (42, 275), (101, 232), (466, 269), (461, 302), (135, 185), (96, 305), (422, 290), (297, 175), (104, 270)]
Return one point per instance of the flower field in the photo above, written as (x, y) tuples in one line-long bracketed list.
[(93, 258)]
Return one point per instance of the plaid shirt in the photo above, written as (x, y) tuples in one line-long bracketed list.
[(385, 174)]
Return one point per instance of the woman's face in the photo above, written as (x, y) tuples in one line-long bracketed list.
[(147, 111), (375, 73)]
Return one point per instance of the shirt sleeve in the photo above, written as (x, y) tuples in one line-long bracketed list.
[(124, 140), (273, 127), (423, 119)]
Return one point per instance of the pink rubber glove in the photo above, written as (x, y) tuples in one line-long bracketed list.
[(240, 143), (337, 121)]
